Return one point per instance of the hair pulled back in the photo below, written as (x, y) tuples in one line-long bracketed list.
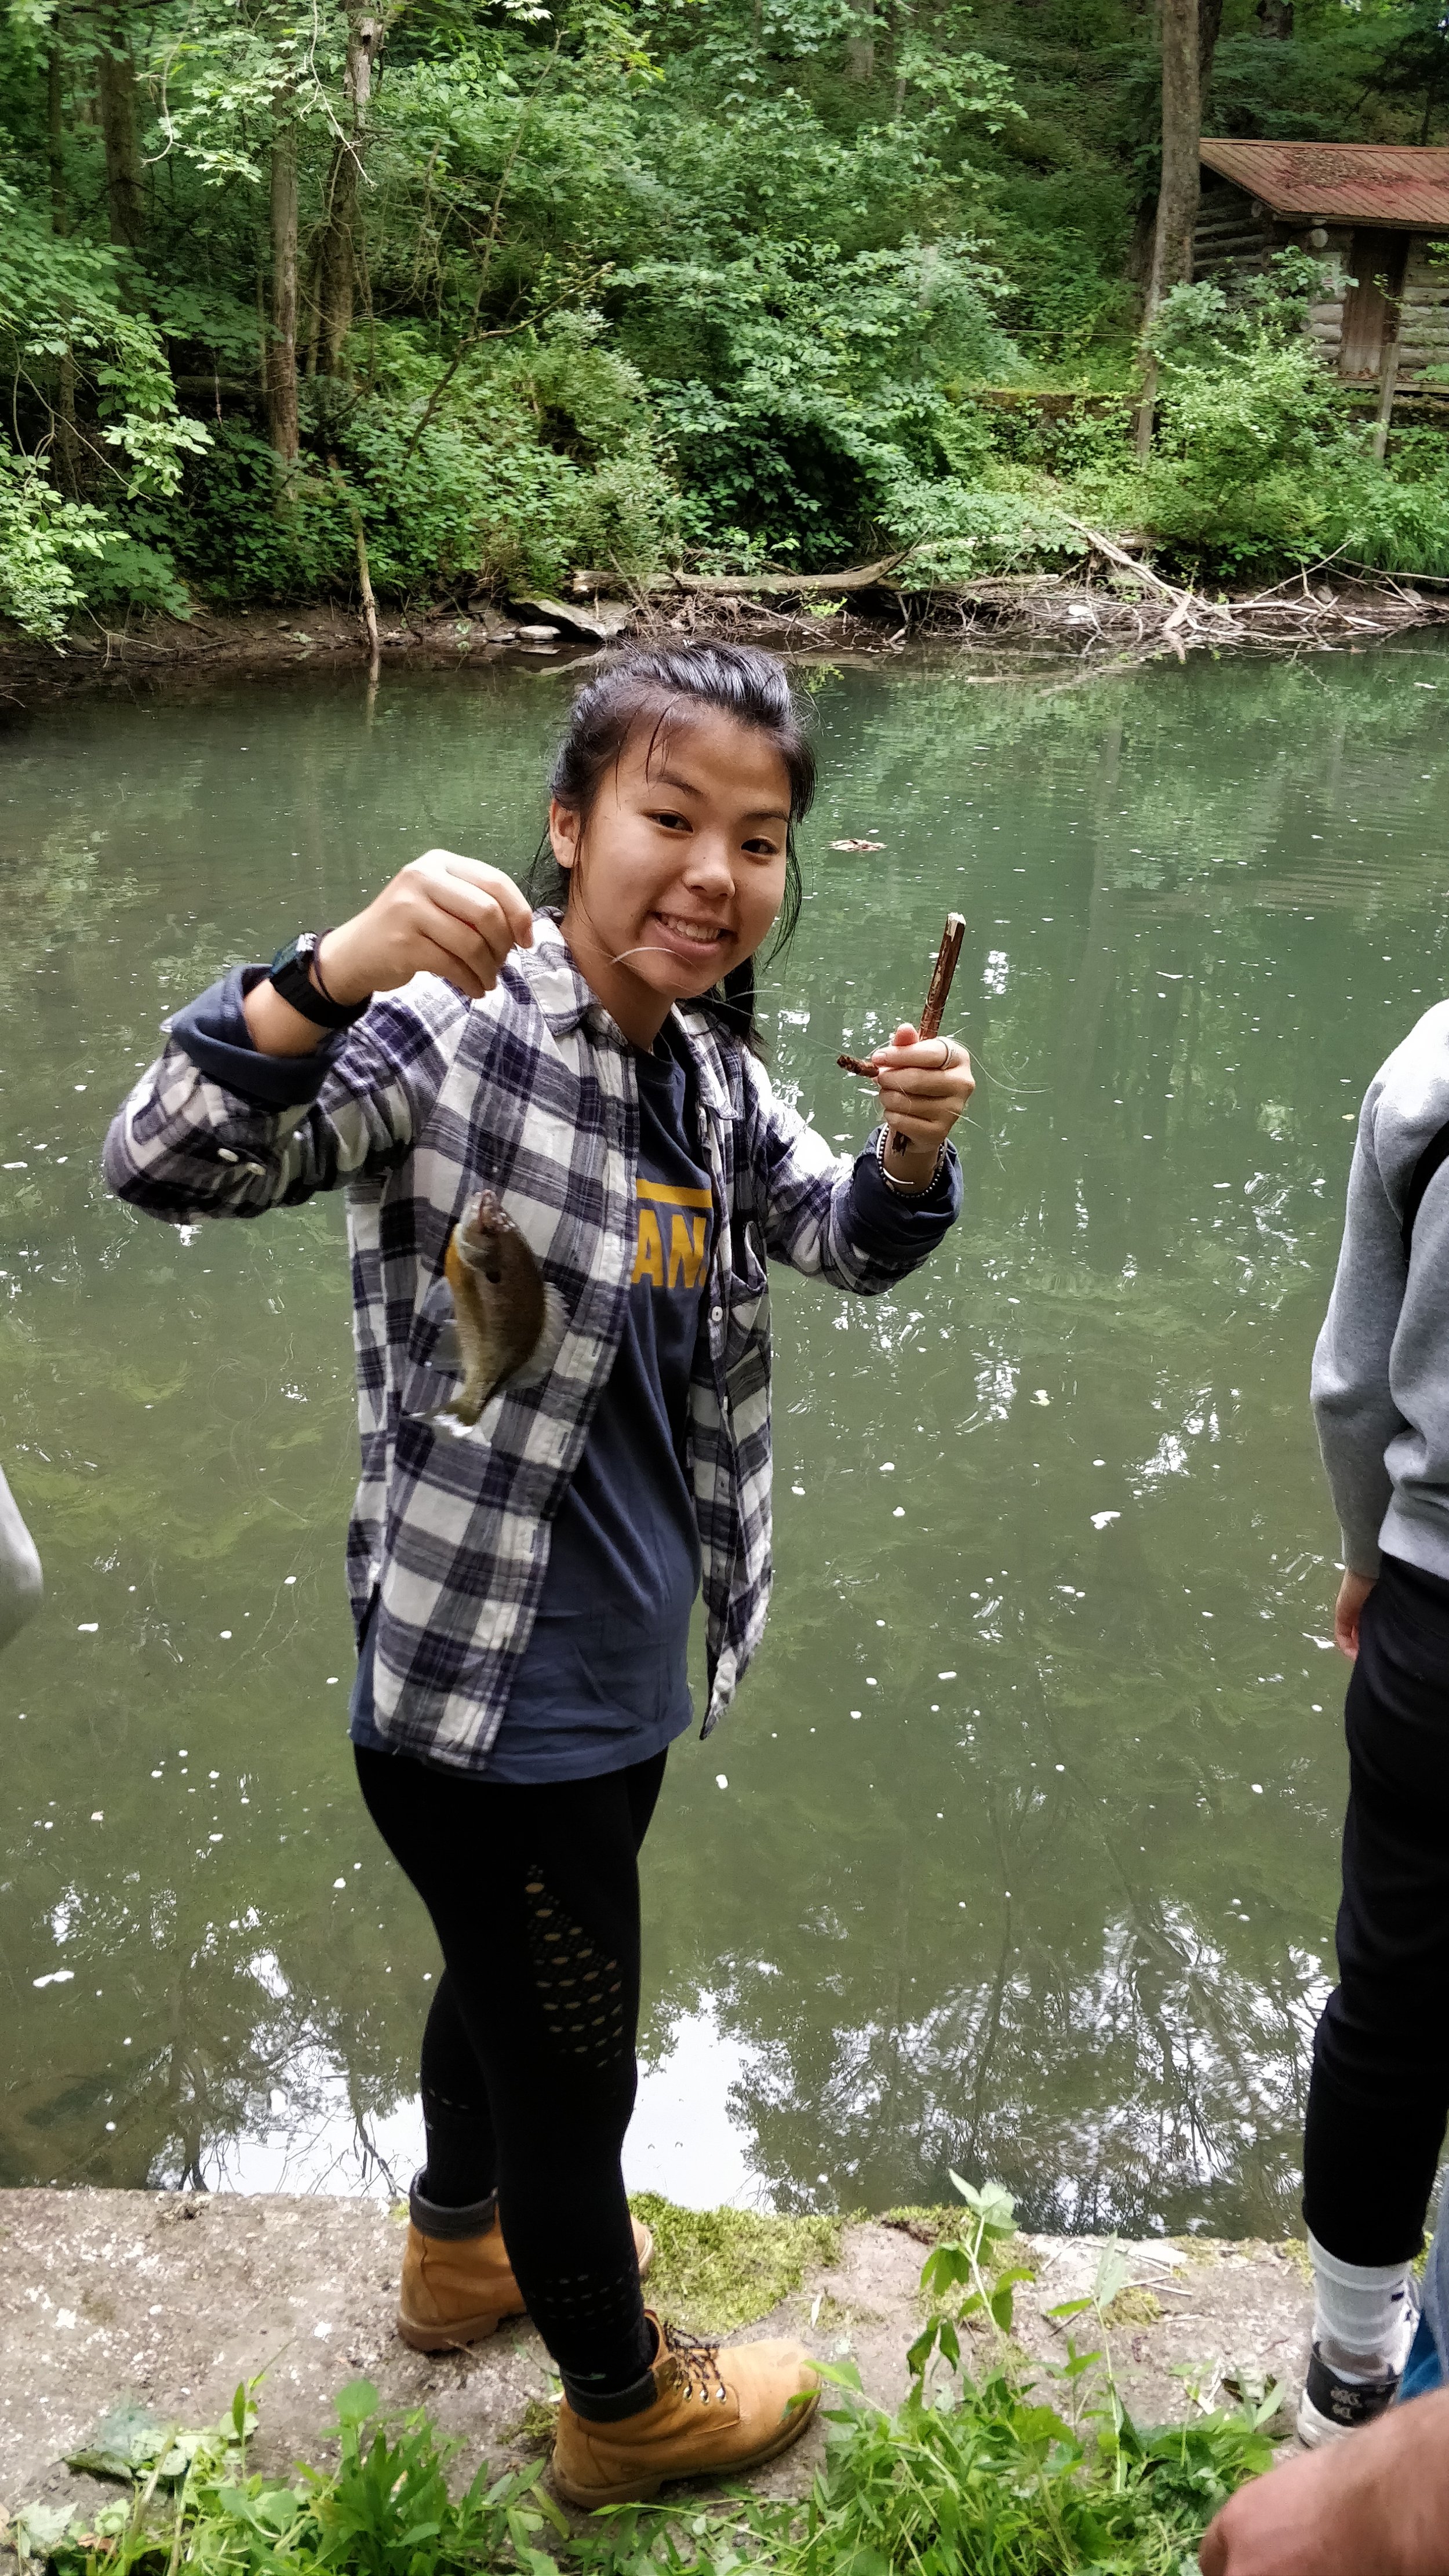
[(665, 687)]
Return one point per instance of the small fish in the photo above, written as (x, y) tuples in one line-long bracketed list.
[(498, 1299)]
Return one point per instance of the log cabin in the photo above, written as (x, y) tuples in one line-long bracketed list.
[(1376, 215)]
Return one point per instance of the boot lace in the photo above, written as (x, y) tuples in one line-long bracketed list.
[(698, 2362)]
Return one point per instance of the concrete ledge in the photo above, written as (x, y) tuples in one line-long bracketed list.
[(176, 2298)]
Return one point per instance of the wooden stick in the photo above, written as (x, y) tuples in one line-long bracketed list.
[(943, 975), (938, 993)]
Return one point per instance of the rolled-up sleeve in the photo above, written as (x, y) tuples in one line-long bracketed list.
[(834, 1217), (215, 1129)]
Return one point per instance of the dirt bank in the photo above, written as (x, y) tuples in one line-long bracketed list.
[(1113, 614), (174, 2299)]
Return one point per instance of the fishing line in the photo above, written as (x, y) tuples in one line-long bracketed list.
[(1027, 1091), (648, 948)]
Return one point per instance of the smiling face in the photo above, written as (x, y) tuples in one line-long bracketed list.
[(679, 870)]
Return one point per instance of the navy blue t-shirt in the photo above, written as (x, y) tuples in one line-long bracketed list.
[(602, 1680)]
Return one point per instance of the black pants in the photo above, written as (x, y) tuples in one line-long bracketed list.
[(528, 2072), (1380, 2087)]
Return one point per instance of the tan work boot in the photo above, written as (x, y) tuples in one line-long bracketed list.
[(713, 2412), (458, 2288)]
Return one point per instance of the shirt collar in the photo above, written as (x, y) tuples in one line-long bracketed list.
[(567, 1001), (557, 986)]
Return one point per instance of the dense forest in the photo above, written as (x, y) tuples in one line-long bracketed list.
[(489, 290)]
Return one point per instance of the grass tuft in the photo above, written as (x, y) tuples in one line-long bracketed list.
[(715, 2269)]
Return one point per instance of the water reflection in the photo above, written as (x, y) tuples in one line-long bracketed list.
[(1026, 1858)]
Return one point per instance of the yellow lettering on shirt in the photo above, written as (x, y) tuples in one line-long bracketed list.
[(687, 1245), (662, 1204), (664, 1194), (649, 1257)]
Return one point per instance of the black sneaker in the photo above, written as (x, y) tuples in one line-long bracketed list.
[(1331, 2406)]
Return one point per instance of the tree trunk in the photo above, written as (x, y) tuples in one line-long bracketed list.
[(282, 348), (1275, 17), (55, 137), (116, 83), (860, 44), (1177, 194), (67, 445), (1209, 27), (340, 253), (67, 442)]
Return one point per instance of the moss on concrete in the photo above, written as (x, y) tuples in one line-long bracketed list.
[(715, 2269), (1134, 2306), (928, 2226)]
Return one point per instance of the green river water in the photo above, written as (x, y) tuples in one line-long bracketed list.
[(1018, 1852)]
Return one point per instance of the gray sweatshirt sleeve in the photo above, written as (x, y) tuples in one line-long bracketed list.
[(1381, 1369), (1353, 1403), (21, 1582)]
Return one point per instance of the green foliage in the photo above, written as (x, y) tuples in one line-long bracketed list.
[(1260, 460), (64, 320), (961, 2277), (640, 279), (44, 540)]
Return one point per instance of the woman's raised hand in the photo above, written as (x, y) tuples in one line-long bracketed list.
[(925, 1084), (441, 915)]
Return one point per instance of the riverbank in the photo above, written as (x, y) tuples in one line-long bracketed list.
[(173, 2299), (1111, 615)]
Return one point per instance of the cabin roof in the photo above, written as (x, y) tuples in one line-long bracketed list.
[(1402, 186)]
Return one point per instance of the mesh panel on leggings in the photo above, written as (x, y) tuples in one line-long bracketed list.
[(581, 1991), (585, 2309)]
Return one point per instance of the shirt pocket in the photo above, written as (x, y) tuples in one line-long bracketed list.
[(433, 1358), (746, 1317)]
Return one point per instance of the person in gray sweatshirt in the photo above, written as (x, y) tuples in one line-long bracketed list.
[(1379, 2092)]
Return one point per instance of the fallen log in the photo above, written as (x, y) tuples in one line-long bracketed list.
[(781, 585)]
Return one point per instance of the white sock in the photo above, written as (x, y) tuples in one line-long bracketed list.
[(1363, 2317)]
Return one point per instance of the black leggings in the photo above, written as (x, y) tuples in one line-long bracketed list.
[(1380, 2087), (528, 2072)]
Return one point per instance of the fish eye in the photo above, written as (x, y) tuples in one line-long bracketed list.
[(493, 1276)]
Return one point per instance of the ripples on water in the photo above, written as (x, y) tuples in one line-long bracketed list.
[(1026, 1863)]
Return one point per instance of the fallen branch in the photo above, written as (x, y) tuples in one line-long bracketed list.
[(783, 584), (1125, 563)]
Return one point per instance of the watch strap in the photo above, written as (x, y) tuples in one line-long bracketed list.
[(291, 973)]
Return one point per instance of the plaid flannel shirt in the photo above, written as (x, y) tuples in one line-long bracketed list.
[(533, 1093)]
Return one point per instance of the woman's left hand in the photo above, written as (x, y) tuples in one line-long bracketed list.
[(925, 1084)]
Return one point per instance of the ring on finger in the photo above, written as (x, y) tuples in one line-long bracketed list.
[(945, 1044)]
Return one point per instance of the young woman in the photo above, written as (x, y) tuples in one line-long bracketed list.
[(522, 1588)]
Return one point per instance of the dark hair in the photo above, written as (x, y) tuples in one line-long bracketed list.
[(669, 683)]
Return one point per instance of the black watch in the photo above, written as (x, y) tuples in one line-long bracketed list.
[(291, 974)]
